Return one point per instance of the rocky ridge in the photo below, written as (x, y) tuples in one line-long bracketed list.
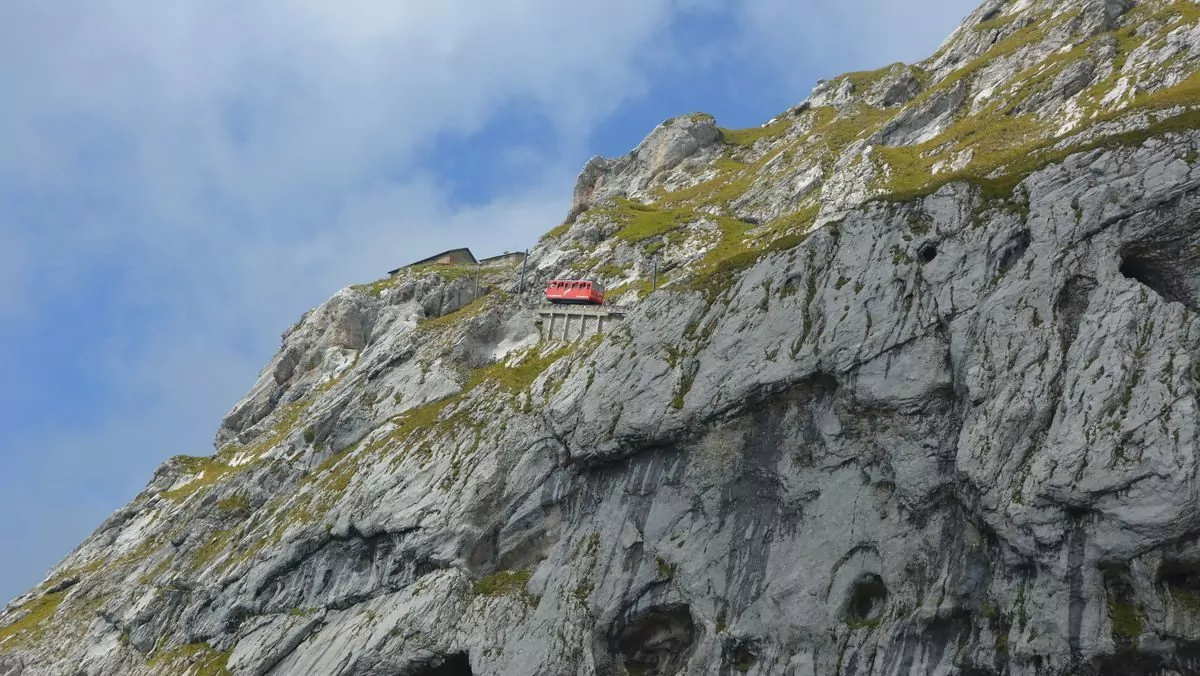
[(917, 395)]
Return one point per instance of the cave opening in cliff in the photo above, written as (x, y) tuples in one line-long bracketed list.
[(656, 642), (1180, 575), (741, 655), (867, 598), (1166, 268), (458, 664), (928, 253), (1131, 663)]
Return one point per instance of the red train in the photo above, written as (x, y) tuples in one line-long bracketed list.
[(577, 291)]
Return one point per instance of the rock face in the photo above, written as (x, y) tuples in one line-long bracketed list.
[(917, 394), (671, 143)]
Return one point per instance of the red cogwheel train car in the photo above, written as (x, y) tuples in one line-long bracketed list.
[(577, 291)]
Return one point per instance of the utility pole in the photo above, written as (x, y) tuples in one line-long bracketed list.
[(524, 265)]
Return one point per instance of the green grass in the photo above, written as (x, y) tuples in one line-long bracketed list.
[(1187, 601), (1006, 147), (864, 79), (466, 312), (443, 416), (641, 222), (1009, 148), (1128, 621), (216, 468), (31, 625), (614, 271), (694, 117), (583, 591), (506, 583), (559, 230), (835, 131), (420, 418), (233, 504), (210, 470), (994, 143), (195, 659), (448, 273), (377, 287), (737, 251), (733, 179), (746, 138), (1011, 44), (1021, 162), (216, 544), (519, 377), (995, 23), (666, 570), (639, 288), (503, 583)]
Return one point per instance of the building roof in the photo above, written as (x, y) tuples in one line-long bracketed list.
[(449, 252)]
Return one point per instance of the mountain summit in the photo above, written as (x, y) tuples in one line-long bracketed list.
[(904, 381)]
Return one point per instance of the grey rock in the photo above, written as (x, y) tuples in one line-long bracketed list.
[(898, 88), (879, 425), (672, 142)]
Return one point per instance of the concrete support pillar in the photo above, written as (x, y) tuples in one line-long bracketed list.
[(573, 324)]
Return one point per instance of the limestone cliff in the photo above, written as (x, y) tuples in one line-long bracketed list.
[(917, 395)]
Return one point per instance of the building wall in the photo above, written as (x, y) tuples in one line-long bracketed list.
[(504, 261), (455, 258)]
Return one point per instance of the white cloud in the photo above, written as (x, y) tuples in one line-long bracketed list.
[(238, 148), (222, 166), (854, 34), (315, 90)]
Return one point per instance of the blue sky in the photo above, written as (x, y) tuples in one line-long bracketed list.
[(181, 181)]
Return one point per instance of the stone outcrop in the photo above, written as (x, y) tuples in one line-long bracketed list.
[(916, 394), (671, 143)]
